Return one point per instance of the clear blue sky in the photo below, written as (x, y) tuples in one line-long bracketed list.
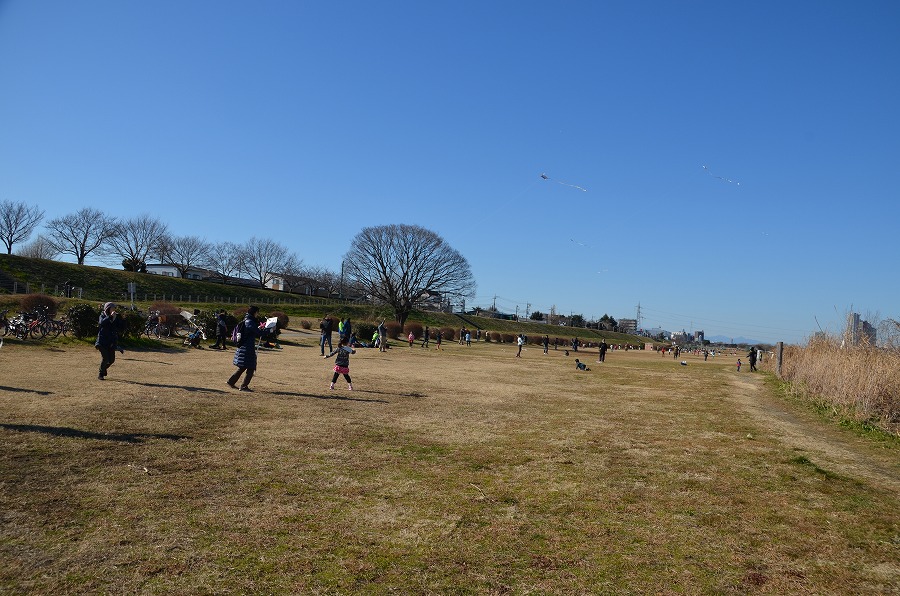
[(308, 121)]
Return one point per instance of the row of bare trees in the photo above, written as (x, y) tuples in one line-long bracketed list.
[(402, 266), (134, 241)]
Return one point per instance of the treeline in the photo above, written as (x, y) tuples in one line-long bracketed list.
[(133, 242)]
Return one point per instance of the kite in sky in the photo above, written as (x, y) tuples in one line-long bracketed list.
[(720, 177), (546, 177)]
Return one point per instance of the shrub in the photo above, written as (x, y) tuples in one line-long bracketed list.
[(486, 336), (84, 320), (364, 331), (169, 313), (306, 324), (134, 322), (495, 336), (508, 338), (414, 328), (32, 302), (448, 333), (283, 319), (393, 329), (207, 320)]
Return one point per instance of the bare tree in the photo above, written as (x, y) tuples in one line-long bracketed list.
[(39, 248), (82, 233), (135, 238), (263, 260), (293, 273), (225, 259), (185, 252), (400, 264), (322, 278), (17, 222)]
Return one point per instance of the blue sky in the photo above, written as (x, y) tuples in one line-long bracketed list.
[(307, 121)]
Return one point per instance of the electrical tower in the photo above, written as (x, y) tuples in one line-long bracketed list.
[(638, 316)]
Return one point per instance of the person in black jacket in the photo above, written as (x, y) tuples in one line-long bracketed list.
[(245, 355), (111, 325), (327, 327), (221, 330)]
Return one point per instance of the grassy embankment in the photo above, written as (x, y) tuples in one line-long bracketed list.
[(101, 284)]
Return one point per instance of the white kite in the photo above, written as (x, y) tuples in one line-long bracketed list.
[(546, 177), (720, 177)]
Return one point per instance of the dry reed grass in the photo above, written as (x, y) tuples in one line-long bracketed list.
[(861, 383)]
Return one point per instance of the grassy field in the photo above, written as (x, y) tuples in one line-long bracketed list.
[(461, 471)]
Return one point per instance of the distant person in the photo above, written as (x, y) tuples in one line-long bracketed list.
[(382, 336), (110, 326), (345, 329), (580, 365), (326, 327), (603, 348), (412, 339), (520, 341), (705, 355), (437, 340), (546, 342), (342, 363), (575, 344), (221, 331), (426, 337), (751, 357), (468, 338), (739, 365), (245, 354)]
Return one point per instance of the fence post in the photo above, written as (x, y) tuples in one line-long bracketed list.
[(779, 353)]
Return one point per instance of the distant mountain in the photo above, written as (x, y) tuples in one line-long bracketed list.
[(723, 339)]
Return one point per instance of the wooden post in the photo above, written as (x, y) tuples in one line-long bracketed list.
[(779, 353)]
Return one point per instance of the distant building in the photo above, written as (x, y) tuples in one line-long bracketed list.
[(859, 331), (628, 326)]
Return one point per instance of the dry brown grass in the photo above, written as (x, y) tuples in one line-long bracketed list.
[(461, 471), (860, 383)]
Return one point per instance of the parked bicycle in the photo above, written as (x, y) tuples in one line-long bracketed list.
[(155, 327)]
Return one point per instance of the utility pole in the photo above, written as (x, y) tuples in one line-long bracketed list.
[(527, 309), (638, 316)]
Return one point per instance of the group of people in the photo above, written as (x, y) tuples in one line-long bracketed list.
[(250, 329)]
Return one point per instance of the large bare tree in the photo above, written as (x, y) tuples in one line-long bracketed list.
[(225, 259), (135, 238), (400, 264), (263, 259), (81, 233), (185, 252), (17, 222)]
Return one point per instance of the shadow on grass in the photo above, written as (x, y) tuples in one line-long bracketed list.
[(142, 360), (73, 433), (21, 390), (333, 396), (166, 386)]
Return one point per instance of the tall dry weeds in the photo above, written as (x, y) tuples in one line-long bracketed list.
[(859, 382)]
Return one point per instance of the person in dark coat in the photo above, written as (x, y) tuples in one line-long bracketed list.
[(221, 330), (603, 347), (245, 355), (327, 327), (111, 325)]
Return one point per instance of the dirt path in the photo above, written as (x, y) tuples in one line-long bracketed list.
[(829, 447)]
